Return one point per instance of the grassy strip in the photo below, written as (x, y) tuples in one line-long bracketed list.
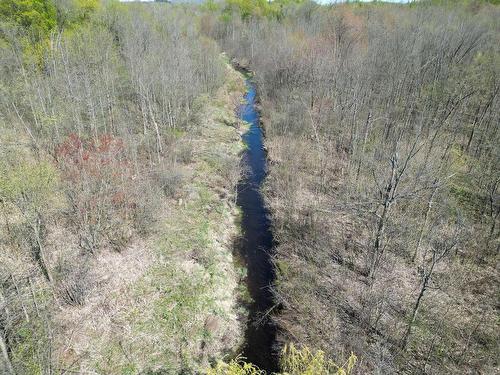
[(183, 312)]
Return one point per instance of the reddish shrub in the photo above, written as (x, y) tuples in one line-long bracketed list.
[(99, 186)]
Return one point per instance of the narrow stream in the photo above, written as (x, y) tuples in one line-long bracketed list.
[(257, 241)]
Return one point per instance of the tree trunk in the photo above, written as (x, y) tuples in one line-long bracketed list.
[(7, 364), (39, 251), (365, 137), (416, 307), (378, 245), (424, 224)]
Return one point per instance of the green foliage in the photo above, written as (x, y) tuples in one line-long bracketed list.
[(25, 350), (73, 13), (34, 20), (36, 17), (27, 184), (256, 8), (305, 362), (235, 367), (294, 361), (30, 343), (210, 5)]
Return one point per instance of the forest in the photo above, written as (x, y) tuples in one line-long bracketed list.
[(120, 161)]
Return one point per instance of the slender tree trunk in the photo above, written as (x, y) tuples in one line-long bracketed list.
[(7, 364), (416, 307), (18, 291), (40, 251), (365, 137), (471, 135), (32, 290), (424, 225), (378, 244), (159, 148)]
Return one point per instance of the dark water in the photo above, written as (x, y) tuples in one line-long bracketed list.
[(257, 241)]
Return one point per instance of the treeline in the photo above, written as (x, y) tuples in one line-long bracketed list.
[(382, 129), (96, 100)]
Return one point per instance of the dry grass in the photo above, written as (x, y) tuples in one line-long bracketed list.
[(168, 302)]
